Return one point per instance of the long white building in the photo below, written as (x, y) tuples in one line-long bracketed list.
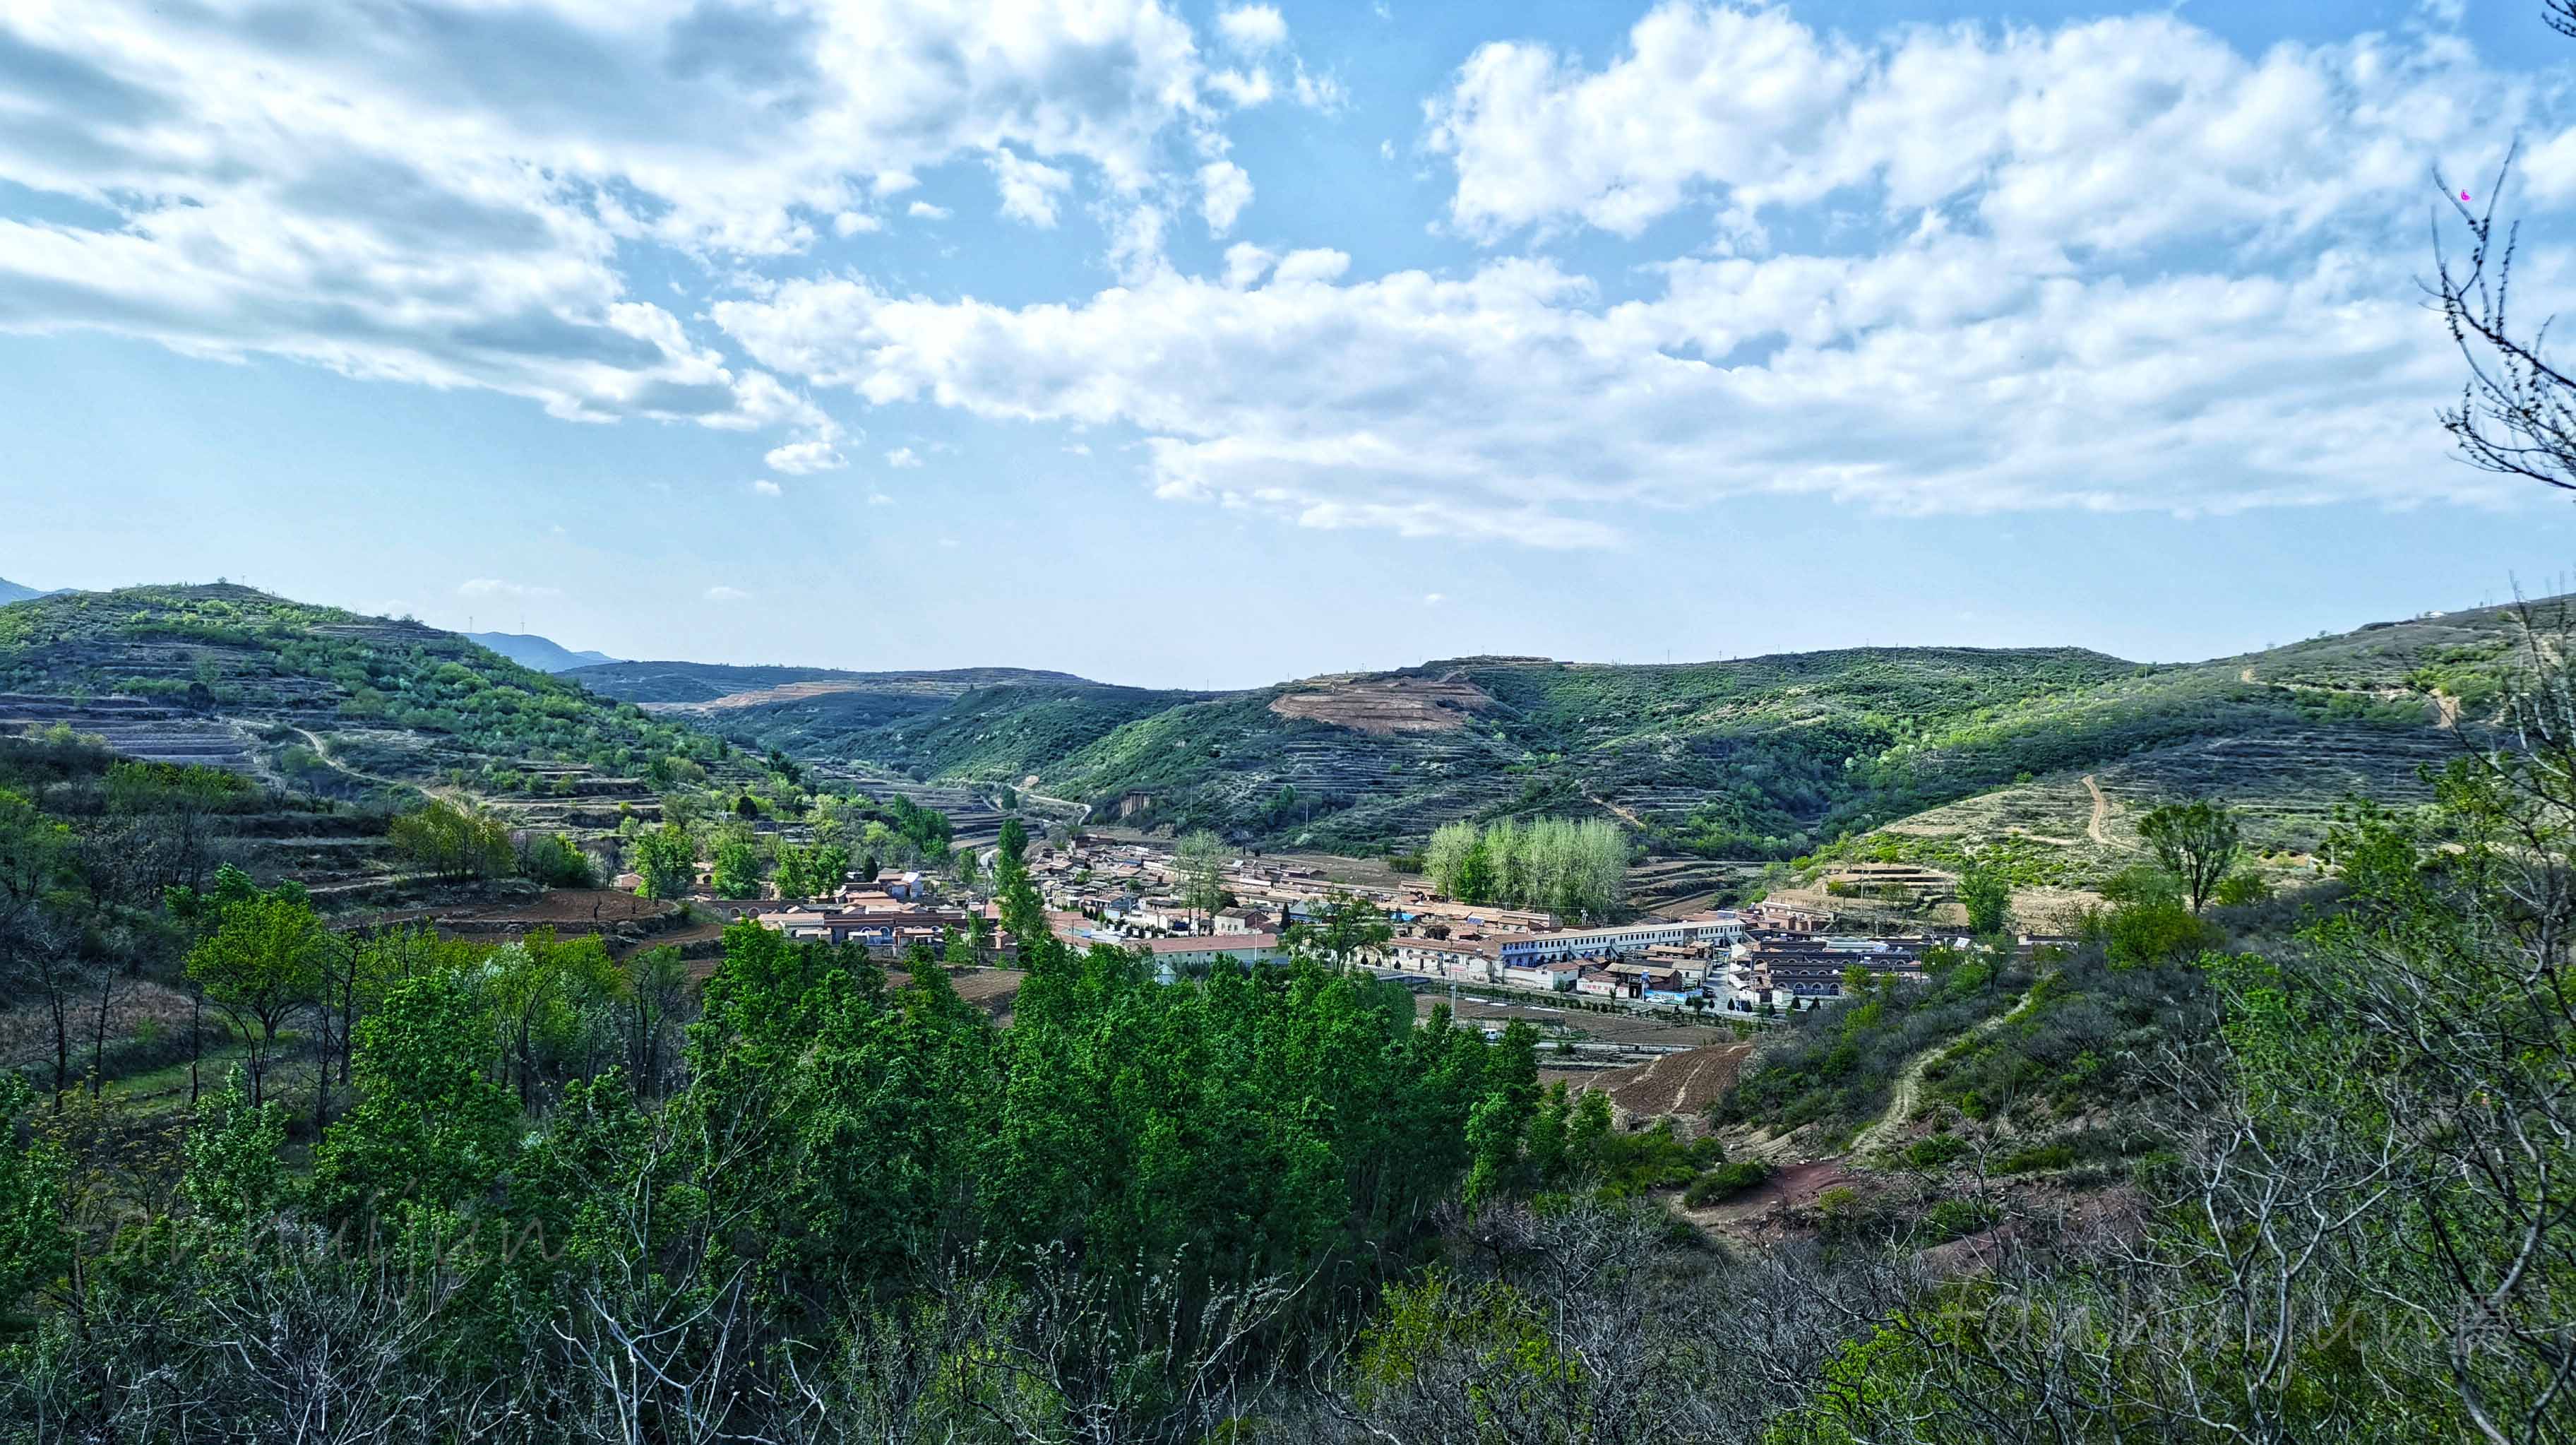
[(1519, 949)]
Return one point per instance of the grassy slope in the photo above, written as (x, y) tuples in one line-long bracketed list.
[(1763, 757), (389, 700), (2356, 714), (1741, 756), (699, 682)]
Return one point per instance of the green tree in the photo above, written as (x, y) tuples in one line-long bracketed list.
[(1986, 892), (1200, 857), (549, 997), (1349, 930), (737, 867), (1011, 855), (430, 1127), (35, 1239), (236, 1177), (2197, 842), (454, 843), (551, 859), (262, 964), (667, 860)]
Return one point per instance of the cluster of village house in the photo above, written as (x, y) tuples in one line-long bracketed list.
[(1745, 960)]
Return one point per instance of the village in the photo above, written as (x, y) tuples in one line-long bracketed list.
[(1752, 964)]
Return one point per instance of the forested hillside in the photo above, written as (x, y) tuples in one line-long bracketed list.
[(755, 686), (1764, 758), (318, 699), (2234, 1172), (542, 653)]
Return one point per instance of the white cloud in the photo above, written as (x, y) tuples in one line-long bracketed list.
[(1514, 404), (805, 458), (1136, 242), (1028, 189), (2119, 133), (1224, 190), (903, 458), (879, 499), (1252, 28), (1246, 263), (1244, 89), (726, 594), (925, 211), (767, 488), (495, 587), (447, 201), (2112, 265), (1434, 599)]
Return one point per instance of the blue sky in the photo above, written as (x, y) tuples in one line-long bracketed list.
[(1210, 344)]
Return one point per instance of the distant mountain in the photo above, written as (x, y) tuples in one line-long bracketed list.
[(727, 685), (542, 653), (328, 701), (13, 592), (2048, 754)]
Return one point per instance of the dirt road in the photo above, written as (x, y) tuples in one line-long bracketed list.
[(2101, 812), (1909, 1082)]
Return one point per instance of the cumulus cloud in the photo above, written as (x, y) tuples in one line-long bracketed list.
[(1028, 189), (1246, 263), (727, 594), (2117, 265), (903, 458), (767, 488), (1253, 28), (496, 587), (1224, 190), (445, 202), (925, 211), (805, 458), (1513, 404), (2120, 133)]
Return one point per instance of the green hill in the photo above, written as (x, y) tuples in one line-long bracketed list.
[(529, 650), (1766, 757), (1913, 754), (701, 682), (321, 700)]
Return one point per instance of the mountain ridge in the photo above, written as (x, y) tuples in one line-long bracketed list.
[(1929, 751), (20, 592), (1759, 757), (530, 650)]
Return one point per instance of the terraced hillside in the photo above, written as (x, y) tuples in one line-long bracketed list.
[(710, 682), (315, 700), (1911, 755), (988, 726), (2284, 735), (1755, 757), (1767, 757)]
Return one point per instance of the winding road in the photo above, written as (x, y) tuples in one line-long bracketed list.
[(2101, 812), (1909, 1081)]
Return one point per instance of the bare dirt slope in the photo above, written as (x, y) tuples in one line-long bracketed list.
[(1386, 706), (1676, 1085)]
